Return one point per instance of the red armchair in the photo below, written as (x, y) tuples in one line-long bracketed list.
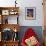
[(29, 36)]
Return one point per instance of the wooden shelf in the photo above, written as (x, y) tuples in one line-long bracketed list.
[(9, 9), (6, 12), (3, 8), (11, 26), (9, 43)]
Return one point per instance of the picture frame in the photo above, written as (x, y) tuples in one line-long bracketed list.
[(5, 12), (30, 13)]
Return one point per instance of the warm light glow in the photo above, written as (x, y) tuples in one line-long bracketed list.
[(15, 30)]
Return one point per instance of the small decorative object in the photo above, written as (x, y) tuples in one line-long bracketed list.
[(30, 13), (13, 12), (15, 37), (5, 12), (6, 21), (15, 30), (15, 3), (7, 34)]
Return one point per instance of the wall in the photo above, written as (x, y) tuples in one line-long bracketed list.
[(39, 13), (27, 3), (37, 23)]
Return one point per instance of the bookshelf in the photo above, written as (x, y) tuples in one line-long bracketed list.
[(5, 13)]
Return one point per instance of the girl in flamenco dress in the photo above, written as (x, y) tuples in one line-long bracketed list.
[(30, 38)]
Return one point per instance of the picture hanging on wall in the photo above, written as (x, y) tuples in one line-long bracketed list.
[(30, 13)]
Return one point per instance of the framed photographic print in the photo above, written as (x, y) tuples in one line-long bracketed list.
[(30, 13), (5, 12)]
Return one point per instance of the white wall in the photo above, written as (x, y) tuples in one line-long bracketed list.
[(27, 3)]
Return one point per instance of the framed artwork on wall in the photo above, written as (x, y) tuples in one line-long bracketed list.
[(5, 12), (30, 13)]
